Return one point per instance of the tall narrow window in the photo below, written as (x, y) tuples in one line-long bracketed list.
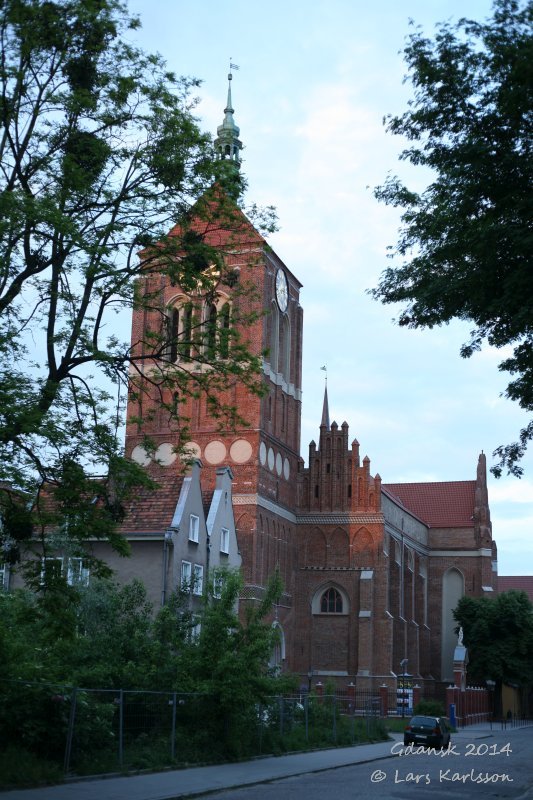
[(224, 541), (284, 348), (198, 579), (186, 333), (186, 574), (174, 323), (194, 528), (218, 585), (211, 332), (274, 337), (77, 572), (224, 330)]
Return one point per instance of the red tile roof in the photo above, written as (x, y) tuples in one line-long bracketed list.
[(523, 583), (447, 504), (220, 222), (151, 510)]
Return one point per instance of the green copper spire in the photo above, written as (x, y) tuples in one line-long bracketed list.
[(227, 143)]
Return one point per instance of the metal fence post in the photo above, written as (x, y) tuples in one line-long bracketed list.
[(70, 731), (335, 718), (306, 712), (173, 734), (121, 727)]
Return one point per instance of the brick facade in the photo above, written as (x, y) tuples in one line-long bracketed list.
[(370, 571)]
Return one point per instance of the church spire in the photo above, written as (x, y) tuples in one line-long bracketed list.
[(325, 409), (227, 143)]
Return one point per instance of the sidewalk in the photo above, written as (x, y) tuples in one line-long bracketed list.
[(174, 784)]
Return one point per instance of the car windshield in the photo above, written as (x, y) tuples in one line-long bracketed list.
[(424, 721)]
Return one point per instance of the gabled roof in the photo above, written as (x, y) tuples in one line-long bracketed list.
[(519, 583), (220, 222), (446, 504), (151, 510)]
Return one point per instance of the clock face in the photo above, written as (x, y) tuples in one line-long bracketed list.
[(282, 290)]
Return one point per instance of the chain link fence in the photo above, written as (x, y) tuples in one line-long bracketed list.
[(97, 731)]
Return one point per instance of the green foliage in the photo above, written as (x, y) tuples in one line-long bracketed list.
[(101, 155), (465, 245), (20, 767), (230, 661), (499, 636), (108, 638), (432, 708)]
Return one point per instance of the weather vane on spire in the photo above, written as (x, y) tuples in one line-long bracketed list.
[(325, 369), (232, 66)]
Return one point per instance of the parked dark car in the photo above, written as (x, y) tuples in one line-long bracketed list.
[(430, 731)]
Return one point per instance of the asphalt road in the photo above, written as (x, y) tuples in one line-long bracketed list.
[(497, 766)]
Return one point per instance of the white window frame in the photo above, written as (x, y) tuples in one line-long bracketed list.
[(198, 579), (77, 572), (195, 630), (194, 528), (224, 541), (3, 576), (44, 561), (218, 585), (186, 575)]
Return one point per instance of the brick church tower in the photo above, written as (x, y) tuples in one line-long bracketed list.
[(264, 455), (371, 572)]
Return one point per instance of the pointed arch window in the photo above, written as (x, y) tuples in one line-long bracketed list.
[(284, 348), (331, 602), (186, 333), (217, 321), (174, 323), (211, 331), (274, 337), (224, 330), (179, 330)]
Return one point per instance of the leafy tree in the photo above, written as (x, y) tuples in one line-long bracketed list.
[(499, 636), (231, 661), (108, 638), (101, 155), (465, 244)]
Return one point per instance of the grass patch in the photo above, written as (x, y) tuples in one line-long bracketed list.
[(19, 768)]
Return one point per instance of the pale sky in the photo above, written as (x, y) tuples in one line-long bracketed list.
[(315, 81)]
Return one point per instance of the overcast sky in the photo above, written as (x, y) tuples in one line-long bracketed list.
[(315, 81)]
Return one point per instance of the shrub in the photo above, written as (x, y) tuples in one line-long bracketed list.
[(431, 708)]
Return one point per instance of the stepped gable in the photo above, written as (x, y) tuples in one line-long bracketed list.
[(151, 510), (446, 504)]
